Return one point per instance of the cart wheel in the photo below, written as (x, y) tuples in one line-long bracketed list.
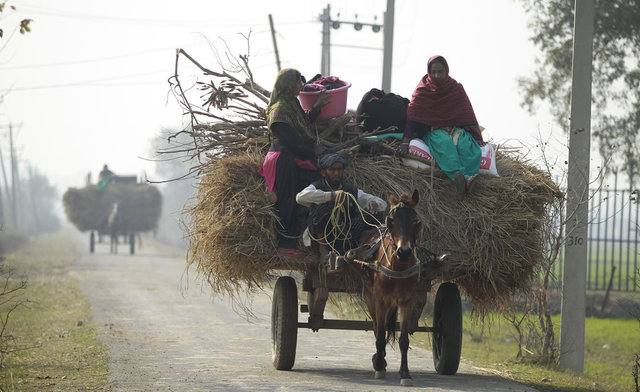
[(447, 329), (132, 244), (92, 242), (284, 323)]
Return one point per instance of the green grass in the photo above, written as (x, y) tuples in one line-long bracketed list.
[(606, 368), (57, 347), (493, 348)]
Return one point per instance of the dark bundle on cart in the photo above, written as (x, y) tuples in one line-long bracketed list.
[(123, 208)]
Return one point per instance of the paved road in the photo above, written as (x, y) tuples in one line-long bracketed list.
[(165, 337)]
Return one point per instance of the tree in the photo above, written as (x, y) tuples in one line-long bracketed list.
[(178, 188), (616, 75)]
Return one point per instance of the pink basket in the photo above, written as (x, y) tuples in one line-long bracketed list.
[(336, 107)]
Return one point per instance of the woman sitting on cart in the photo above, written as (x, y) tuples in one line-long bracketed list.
[(289, 165), (322, 197), (440, 111)]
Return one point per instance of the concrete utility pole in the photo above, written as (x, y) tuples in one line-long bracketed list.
[(575, 264), (328, 23), (275, 44), (14, 181), (388, 46), (6, 190), (325, 61), (2, 223)]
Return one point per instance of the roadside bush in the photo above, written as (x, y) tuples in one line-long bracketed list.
[(11, 298)]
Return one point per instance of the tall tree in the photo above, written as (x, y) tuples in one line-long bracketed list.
[(616, 75)]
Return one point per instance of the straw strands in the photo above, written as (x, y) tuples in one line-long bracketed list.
[(493, 235)]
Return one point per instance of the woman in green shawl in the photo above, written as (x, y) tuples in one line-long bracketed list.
[(289, 165)]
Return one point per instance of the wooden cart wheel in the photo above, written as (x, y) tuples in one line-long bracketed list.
[(447, 329), (92, 242), (284, 323), (132, 244)]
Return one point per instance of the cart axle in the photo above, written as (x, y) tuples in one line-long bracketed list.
[(354, 325)]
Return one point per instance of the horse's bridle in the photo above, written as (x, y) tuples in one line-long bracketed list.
[(371, 249)]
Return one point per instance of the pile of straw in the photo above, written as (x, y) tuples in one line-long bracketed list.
[(493, 235), (88, 208)]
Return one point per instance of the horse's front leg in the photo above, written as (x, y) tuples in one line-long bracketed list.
[(379, 363), (403, 342)]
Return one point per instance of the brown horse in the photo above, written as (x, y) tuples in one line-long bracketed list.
[(394, 281)]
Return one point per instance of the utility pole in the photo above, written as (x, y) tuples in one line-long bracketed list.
[(388, 45), (275, 44), (328, 23), (325, 58), (2, 222), (575, 265), (14, 179), (6, 185)]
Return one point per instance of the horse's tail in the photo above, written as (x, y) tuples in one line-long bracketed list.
[(391, 325)]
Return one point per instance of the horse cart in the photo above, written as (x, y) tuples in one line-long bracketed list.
[(447, 314), (336, 274), (123, 208)]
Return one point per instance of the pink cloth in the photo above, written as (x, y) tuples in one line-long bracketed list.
[(268, 167), (327, 83)]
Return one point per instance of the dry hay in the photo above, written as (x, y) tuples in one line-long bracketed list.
[(88, 208), (493, 235)]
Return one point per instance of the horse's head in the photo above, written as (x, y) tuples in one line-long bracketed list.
[(403, 223)]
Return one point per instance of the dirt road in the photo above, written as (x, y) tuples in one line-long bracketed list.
[(164, 338)]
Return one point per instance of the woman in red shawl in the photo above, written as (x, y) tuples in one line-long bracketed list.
[(440, 112)]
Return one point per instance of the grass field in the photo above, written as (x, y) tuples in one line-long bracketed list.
[(57, 347)]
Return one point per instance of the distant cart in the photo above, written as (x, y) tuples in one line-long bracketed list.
[(123, 208)]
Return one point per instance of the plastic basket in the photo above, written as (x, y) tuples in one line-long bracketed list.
[(336, 107)]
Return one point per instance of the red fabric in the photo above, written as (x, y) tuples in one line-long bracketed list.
[(440, 104), (268, 167)]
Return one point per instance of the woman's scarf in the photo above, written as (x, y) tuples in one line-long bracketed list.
[(284, 105), (440, 104)]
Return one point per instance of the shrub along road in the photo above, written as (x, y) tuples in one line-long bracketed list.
[(165, 332)]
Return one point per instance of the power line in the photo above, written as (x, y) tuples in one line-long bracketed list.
[(128, 20), (94, 60), (76, 84)]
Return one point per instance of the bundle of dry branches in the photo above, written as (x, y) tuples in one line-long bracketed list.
[(88, 208), (493, 235)]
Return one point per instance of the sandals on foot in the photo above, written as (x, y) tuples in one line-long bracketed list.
[(471, 182)]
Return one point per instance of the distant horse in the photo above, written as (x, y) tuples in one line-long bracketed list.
[(114, 226), (394, 286)]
